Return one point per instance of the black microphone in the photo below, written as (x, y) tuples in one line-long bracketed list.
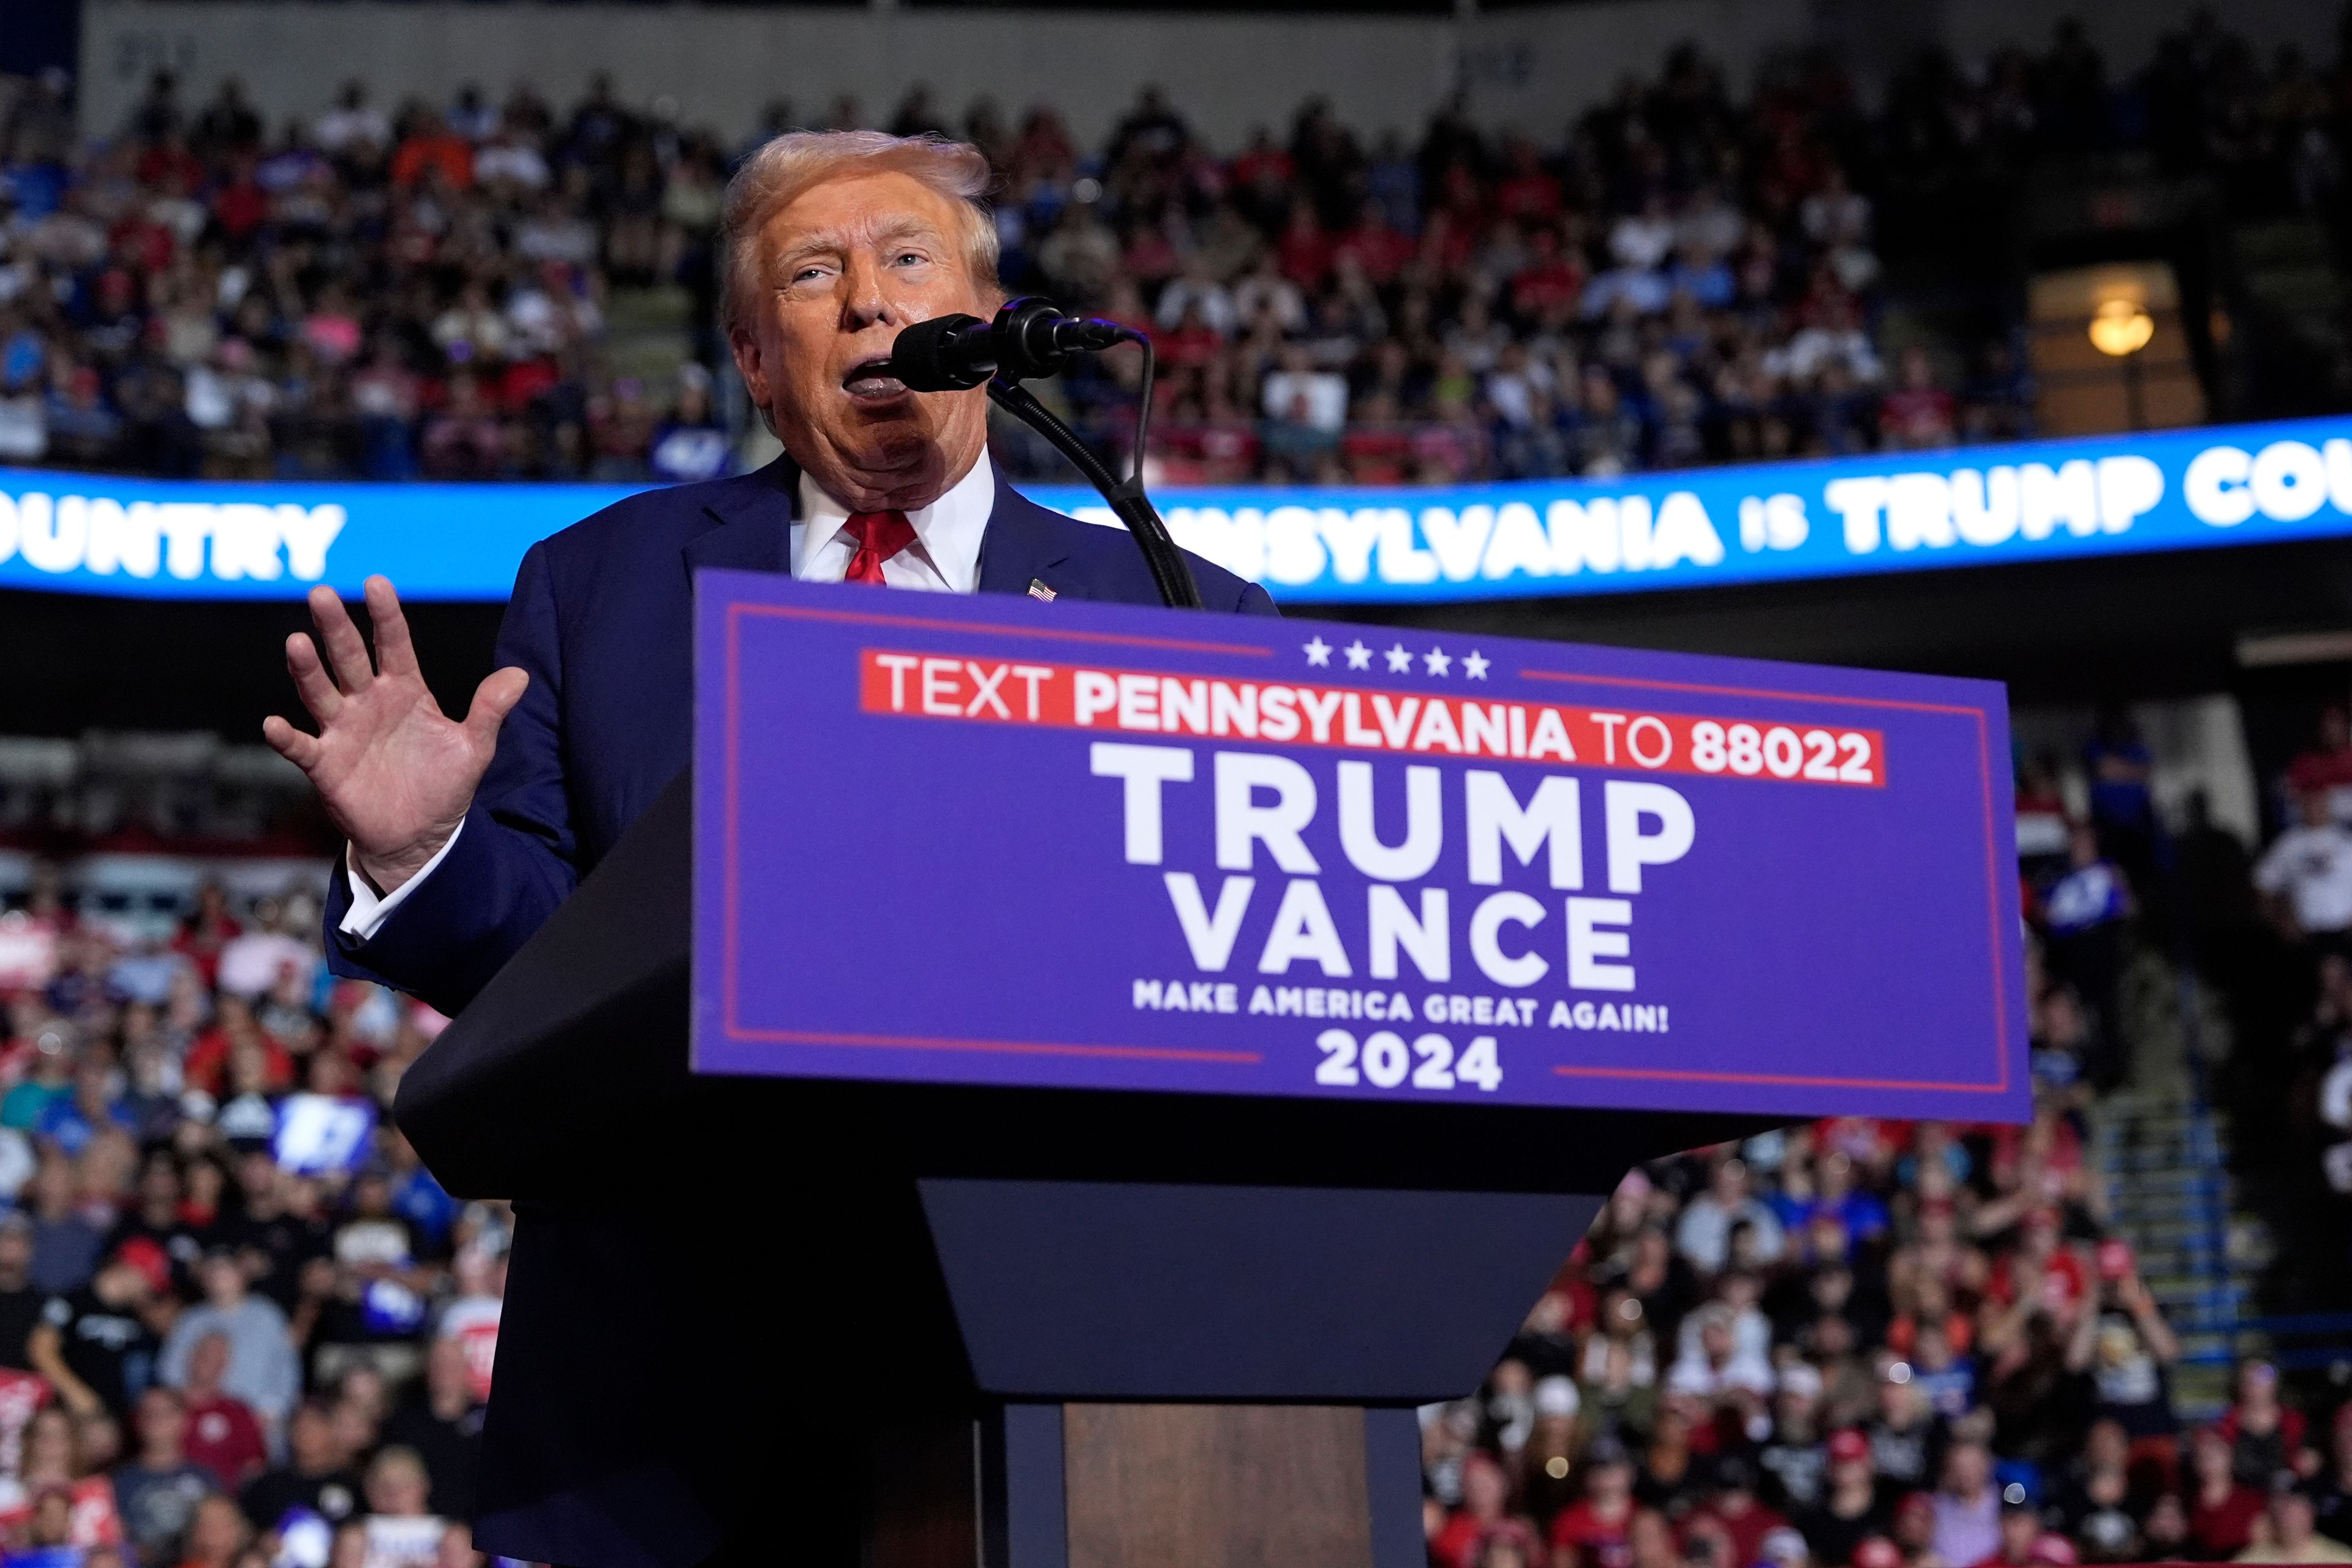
[(1029, 337)]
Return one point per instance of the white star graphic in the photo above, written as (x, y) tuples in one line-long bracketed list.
[(1400, 658), (1359, 656), (1473, 664), (1438, 660), (1318, 652)]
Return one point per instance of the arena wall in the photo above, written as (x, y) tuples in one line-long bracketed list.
[(1534, 67)]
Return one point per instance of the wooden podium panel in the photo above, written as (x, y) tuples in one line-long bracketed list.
[(1100, 1485), (1216, 1486)]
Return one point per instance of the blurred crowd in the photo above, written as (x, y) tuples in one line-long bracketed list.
[(240, 1326), (387, 297), (1871, 1344), (1863, 1343), (2302, 884), (1679, 276)]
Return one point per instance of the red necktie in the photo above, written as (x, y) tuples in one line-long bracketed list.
[(879, 536)]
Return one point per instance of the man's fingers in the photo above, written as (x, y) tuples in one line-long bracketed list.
[(346, 650), (394, 654), (494, 699), (291, 743), (310, 681)]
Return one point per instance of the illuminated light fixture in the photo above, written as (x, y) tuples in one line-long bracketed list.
[(2121, 328)]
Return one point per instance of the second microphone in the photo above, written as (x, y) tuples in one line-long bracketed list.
[(1029, 337)]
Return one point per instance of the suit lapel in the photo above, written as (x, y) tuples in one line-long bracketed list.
[(751, 523), (750, 530), (1021, 547)]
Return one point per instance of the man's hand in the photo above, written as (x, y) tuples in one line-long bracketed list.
[(395, 773)]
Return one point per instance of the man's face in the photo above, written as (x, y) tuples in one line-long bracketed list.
[(2019, 1530), (311, 1439), (834, 277), (160, 1417)]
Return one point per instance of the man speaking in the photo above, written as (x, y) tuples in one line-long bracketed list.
[(627, 1427)]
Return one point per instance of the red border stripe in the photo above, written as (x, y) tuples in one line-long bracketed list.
[(1014, 1047)]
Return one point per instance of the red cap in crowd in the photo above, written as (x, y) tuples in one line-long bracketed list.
[(150, 1260), (1848, 1444)]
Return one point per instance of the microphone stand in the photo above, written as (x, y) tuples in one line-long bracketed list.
[(1171, 572)]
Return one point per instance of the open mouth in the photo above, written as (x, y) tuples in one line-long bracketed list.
[(870, 380)]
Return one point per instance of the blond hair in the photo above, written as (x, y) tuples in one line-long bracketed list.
[(788, 166)]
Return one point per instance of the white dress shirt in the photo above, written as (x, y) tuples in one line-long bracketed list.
[(943, 559)]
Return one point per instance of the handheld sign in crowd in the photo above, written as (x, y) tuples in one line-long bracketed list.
[(996, 841)]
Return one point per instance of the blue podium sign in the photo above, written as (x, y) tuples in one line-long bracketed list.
[(997, 841)]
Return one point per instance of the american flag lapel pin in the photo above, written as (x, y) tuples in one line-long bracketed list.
[(1037, 590)]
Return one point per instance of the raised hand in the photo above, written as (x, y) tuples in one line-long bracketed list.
[(395, 773)]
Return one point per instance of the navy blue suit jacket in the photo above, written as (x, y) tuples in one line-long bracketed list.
[(625, 1429)]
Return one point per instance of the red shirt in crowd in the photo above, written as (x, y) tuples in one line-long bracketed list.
[(1553, 279), (2063, 1284), (1379, 250), (143, 244), (2222, 1529), (1268, 164), (1919, 415), (1457, 1546), (1305, 252), (2320, 768), (168, 162), (240, 206), (1748, 1528), (1189, 345), (450, 155), (206, 1067), (223, 1437), (200, 944), (1596, 1542), (1529, 195)]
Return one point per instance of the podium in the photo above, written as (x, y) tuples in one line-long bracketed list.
[(1099, 1327), (1187, 1330)]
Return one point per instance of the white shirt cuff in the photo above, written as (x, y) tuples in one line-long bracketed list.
[(368, 912)]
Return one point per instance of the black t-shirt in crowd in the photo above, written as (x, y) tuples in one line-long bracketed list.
[(19, 1311), (1795, 1471), (1833, 1537), (286, 1242), (334, 1496), (1909, 1456), (2107, 1532), (450, 1449), (109, 1348)]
